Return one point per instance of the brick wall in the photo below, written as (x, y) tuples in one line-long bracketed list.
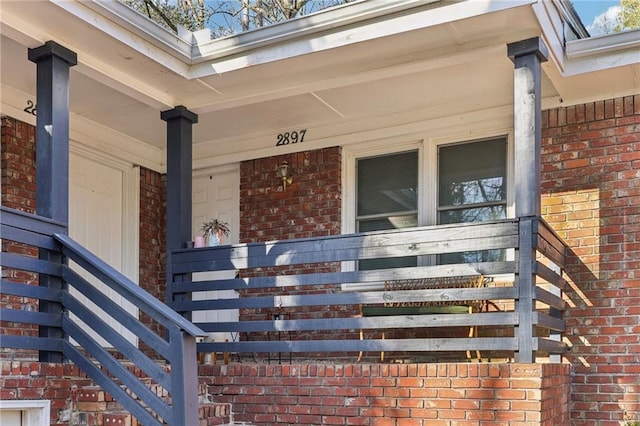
[(591, 197), (310, 207), (18, 160), (18, 191), (152, 255), (152, 232), (393, 394), (54, 382)]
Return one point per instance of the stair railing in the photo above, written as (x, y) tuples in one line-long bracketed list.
[(95, 343)]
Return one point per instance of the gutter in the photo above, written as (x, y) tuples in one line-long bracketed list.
[(605, 44)]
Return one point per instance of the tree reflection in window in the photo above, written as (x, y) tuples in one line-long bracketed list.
[(472, 188)]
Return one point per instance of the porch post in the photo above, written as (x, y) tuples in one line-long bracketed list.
[(179, 166), (52, 159), (527, 56), (179, 180), (52, 129)]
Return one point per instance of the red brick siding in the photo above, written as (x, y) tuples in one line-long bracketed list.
[(591, 197), (310, 207), (152, 255), (393, 394), (18, 159), (18, 191), (34, 380)]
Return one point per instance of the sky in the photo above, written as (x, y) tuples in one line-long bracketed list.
[(589, 10)]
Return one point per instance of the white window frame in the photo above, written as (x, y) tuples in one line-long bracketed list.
[(428, 182), (35, 412)]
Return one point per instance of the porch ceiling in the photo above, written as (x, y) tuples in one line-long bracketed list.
[(422, 60)]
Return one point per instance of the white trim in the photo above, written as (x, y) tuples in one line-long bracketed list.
[(121, 22), (38, 411), (108, 142), (606, 44), (12, 102), (222, 168), (375, 18), (404, 126), (350, 155)]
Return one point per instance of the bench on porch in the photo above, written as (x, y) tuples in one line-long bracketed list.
[(437, 307)]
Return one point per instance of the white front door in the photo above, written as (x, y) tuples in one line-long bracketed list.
[(99, 206), (216, 194)]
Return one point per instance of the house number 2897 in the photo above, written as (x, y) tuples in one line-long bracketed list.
[(290, 137)]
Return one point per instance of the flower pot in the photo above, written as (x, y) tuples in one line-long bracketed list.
[(213, 240)]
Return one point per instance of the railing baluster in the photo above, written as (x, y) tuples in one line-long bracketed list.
[(184, 377)]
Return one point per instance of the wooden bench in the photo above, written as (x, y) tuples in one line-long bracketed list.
[(428, 307)]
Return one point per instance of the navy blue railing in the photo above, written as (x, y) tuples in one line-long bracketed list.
[(80, 321)]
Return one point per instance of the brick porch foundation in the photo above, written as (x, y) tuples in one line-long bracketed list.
[(393, 394), (344, 394)]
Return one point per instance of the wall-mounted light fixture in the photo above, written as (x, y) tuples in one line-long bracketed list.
[(284, 173)]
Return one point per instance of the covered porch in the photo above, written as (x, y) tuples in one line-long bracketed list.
[(303, 302)]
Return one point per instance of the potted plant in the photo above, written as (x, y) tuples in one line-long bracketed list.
[(213, 231)]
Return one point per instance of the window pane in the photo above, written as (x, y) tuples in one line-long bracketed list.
[(472, 188), (390, 222), (472, 173), (474, 214), (473, 257), (388, 184), (388, 189)]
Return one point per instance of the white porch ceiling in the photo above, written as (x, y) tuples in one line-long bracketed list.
[(425, 58)]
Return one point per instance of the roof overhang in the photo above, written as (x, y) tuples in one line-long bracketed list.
[(360, 71)]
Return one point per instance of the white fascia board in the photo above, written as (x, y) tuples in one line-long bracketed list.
[(263, 45), (27, 34), (304, 26), (296, 37), (603, 53), (552, 28), (135, 30)]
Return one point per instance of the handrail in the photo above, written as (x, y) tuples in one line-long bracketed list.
[(180, 352), (124, 286), (36, 248), (30, 222)]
